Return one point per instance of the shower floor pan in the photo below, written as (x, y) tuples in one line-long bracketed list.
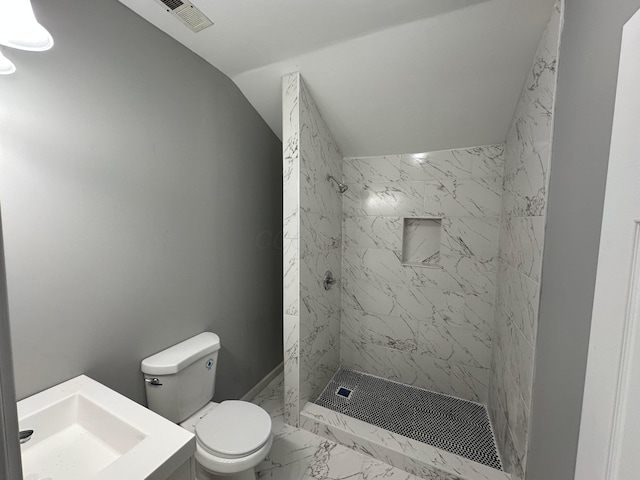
[(423, 432)]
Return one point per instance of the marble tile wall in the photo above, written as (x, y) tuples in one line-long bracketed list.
[(312, 231), (428, 326), (465, 326), (525, 186), (290, 245)]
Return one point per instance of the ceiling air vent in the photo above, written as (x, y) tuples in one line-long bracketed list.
[(187, 13)]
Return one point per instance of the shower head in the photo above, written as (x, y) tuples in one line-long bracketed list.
[(341, 186)]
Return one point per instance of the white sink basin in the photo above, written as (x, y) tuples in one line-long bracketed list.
[(84, 430)]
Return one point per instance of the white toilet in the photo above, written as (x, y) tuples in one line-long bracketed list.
[(232, 437)]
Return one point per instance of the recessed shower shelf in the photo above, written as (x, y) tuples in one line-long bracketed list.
[(421, 242)]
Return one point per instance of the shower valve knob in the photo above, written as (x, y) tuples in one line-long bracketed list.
[(329, 280)]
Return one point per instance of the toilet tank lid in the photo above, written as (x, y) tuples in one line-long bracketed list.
[(175, 358)]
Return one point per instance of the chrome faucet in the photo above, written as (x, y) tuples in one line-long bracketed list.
[(25, 435), (329, 280)]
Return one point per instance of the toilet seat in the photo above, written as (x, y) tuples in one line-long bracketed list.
[(216, 464), (233, 437)]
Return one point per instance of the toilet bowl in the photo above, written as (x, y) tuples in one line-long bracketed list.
[(232, 437)]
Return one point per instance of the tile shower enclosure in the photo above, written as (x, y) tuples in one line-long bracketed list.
[(438, 256), (426, 323)]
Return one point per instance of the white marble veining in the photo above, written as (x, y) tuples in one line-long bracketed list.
[(377, 266), (312, 245), (318, 304), (420, 369), (313, 265), (291, 245), (291, 382), (436, 198), (421, 241), (456, 345), (487, 161), (318, 373), (520, 362), (372, 232), (290, 276), (412, 368), (317, 338), (385, 199), (415, 457), (400, 333), (472, 275), (443, 164), (437, 356), (321, 232), (452, 273), (463, 197), (478, 312), (470, 236), (319, 156), (301, 455), (467, 381), (373, 169), (406, 319), (525, 187), (517, 298), (403, 300), (291, 158), (477, 162), (521, 241)]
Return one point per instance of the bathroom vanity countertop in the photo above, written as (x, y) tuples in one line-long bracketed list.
[(83, 429)]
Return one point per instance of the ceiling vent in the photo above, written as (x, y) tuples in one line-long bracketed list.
[(187, 13)]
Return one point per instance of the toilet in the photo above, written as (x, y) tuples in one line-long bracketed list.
[(232, 437)]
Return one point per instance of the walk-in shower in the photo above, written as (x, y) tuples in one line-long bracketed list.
[(422, 354)]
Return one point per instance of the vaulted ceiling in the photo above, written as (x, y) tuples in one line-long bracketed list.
[(389, 76)]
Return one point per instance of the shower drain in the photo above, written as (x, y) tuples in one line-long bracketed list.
[(344, 392), (449, 423)]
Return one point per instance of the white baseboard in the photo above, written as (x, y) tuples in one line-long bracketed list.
[(247, 397)]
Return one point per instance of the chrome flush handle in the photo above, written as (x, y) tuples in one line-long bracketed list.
[(153, 381), (25, 435)]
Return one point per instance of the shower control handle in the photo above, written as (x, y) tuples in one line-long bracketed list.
[(25, 435), (329, 280)]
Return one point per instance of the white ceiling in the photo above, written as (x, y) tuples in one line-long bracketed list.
[(389, 76)]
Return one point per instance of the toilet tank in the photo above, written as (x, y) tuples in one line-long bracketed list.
[(181, 379)]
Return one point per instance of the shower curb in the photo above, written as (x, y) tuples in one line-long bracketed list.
[(399, 451)]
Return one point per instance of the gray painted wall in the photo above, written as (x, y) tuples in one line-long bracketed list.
[(587, 77), (142, 204)]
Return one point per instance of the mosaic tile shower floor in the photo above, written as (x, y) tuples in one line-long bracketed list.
[(452, 424)]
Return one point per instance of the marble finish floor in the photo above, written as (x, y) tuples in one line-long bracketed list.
[(300, 455)]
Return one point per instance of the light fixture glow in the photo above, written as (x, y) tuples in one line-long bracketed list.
[(20, 29), (6, 66)]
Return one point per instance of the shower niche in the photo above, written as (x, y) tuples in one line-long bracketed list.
[(421, 241)]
